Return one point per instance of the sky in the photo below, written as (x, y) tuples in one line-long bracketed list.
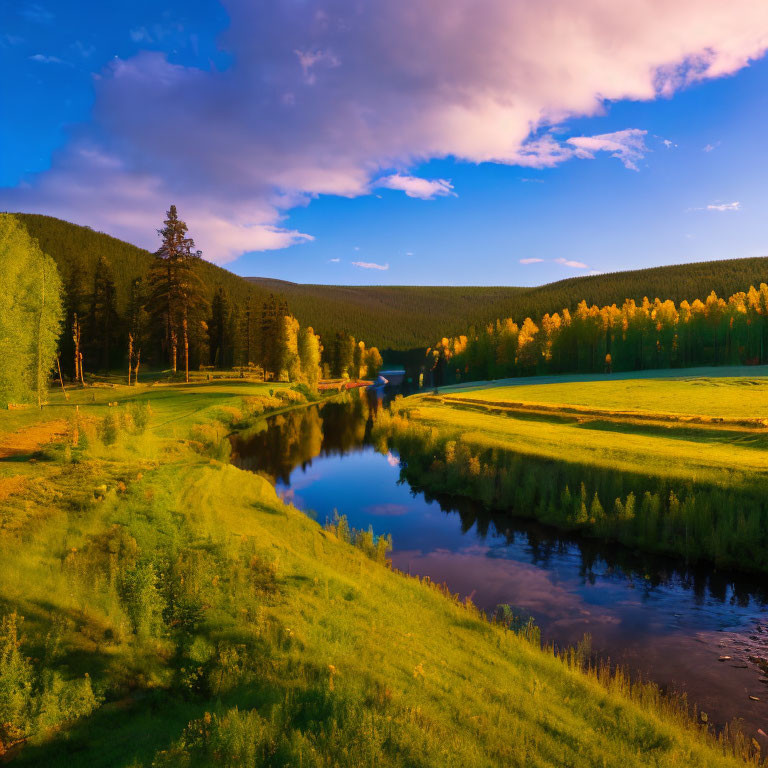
[(482, 142)]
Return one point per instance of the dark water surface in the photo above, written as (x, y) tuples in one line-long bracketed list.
[(670, 623)]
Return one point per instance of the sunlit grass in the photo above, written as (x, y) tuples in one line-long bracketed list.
[(329, 657), (740, 396)]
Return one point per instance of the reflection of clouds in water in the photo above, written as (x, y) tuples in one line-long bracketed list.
[(507, 581), (386, 510), (392, 460), (289, 496)]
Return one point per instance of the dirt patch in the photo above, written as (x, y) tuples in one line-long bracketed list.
[(30, 439)]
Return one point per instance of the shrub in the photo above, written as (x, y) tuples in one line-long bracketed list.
[(108, 429), (209, 440), (375, 547), (142, 600), (290, 396), (140, 414)]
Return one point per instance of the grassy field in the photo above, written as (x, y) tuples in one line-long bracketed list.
[(669, 464), (680, 392), (176, 613)]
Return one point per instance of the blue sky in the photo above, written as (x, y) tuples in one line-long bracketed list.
[(273, 184)]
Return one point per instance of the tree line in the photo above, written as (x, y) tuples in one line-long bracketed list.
[(169, 317), (410, 317), (633, 336)]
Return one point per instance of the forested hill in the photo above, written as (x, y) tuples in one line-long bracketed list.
[(397, 317), (71, 245), (403, 317)]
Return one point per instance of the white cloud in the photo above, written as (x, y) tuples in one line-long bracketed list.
[(627, 145), (570, 263), (369, 265), (393, 85), (531, 261), (413, 186), (711, 147), (334, 261), (735, 206), (43, 59)]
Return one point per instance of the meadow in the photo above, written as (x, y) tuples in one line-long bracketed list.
[(695, 392), (161, 607), (676, 466)]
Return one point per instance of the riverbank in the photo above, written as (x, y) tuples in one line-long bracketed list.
[(181, 614), (673, 466)]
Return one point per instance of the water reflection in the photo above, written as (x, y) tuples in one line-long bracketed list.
[(669, 622)]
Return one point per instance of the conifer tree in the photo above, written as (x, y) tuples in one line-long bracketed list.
[(138, 327), (177, 292), (103, 318), (219, 330)]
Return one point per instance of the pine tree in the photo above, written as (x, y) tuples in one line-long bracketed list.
[(219, 331), (103, 318), (76, 304), (269, 330), (177, 292), (138, 327)]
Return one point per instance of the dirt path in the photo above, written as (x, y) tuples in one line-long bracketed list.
[(30, 439)]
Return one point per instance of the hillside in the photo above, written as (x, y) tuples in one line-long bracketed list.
[(69, 244), (403, 317)]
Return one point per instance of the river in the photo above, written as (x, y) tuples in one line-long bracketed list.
[(688, 629)]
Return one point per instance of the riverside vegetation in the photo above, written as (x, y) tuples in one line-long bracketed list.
[(598, 457), (162, 607)]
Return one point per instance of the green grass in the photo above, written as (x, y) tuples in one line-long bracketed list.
[(740, 396), (671, 465), (219, 626)]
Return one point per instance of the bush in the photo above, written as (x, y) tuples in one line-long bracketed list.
[(140, 414), (260, 404), (290, 396), (209, 440), (108, 429), (142, 600), (375, 547)]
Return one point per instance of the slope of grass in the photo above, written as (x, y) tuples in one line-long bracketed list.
[(217, 626)]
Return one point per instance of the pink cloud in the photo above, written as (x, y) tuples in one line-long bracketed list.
[(413, 186), (571, 263), (328, 100), (370, 265)]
